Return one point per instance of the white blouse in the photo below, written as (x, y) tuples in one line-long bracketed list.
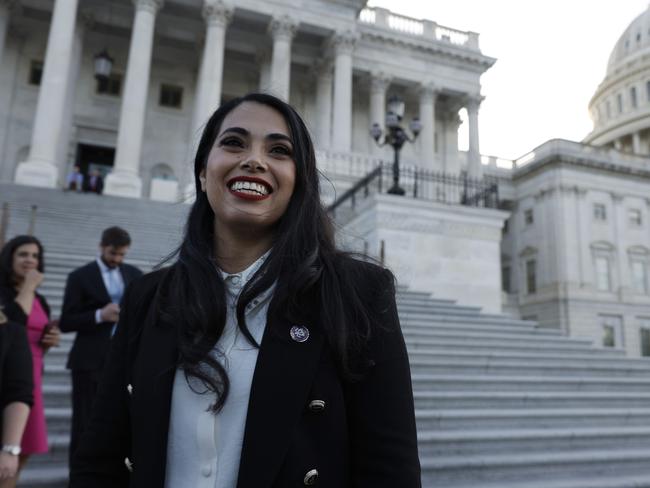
[(203, 448)]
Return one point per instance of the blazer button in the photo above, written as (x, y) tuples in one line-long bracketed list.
[(317, 405), (128, 464), (129, 388), (311, 477)]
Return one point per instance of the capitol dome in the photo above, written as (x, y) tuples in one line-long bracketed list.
[(620, 108)]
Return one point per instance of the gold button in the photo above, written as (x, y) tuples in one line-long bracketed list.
[(311, 477), (317, 405), (128, 464)]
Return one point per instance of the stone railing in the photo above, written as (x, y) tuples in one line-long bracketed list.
[(598, 156), (383, 18), (354, 165)]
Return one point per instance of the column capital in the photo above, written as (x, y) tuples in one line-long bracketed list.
[(379, 81), (283, 27), (343, 42), (428, 91), (151, 6), (217, 13), (473, 102)]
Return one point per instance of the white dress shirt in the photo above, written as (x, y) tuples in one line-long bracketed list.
[(114, 284), (203, 448)]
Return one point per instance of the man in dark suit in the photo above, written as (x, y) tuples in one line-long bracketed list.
[(91, 307), (94, 183)]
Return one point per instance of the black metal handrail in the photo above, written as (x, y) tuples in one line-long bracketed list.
[(350, 194), (422, 184)]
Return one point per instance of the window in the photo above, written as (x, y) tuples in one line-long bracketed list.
[(531, 276), (111, 86), (600, 212), (35, 73), (171, 96), (529, 218), (634, 217), (647, 90), (645, 337), (638, 37), (640, 276), (612, 330), (505, 279), (633, 100), (506, 226), (619, 102), (609, 105), (603, 282)]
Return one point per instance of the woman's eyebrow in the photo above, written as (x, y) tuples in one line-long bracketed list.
[(279, 137), (237, 130)]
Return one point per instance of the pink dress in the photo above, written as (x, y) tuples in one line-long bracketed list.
[(35, 435)]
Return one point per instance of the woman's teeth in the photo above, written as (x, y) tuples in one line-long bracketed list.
[(249, 187)]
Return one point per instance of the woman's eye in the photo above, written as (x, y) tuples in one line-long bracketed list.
[(232, 141), (284, 150)]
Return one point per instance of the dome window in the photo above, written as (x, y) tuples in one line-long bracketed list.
[(619, 102), (633, 100), (609, 109), (647, 90), (638, 37)]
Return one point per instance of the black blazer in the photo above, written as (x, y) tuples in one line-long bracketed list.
[(12, 310), (365, 437), (16, 380), (85, 292)]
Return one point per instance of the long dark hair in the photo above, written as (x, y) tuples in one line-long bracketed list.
[(7, 257), (303, 261)]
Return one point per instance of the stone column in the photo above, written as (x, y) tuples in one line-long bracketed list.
[(282, 30), (451, 162), (428, 94), (323, 73), (620, 266), (636, 143), (125, 180), (5, 11), (217, 15), (208, 91), (41, 168), (379, 83), (65, 152), (263, 60), (343, 44), (474, 169)]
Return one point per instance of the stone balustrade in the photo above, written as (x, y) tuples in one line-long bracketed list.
[(592, 155), (383, 18)]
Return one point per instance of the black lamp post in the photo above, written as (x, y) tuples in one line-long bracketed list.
[(395, 136)]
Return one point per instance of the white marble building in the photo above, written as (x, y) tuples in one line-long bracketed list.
[(175, 60), (575, 252), (620, 107)]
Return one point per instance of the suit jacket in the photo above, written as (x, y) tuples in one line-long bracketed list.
[(99, 184), (85, 292), (364, 437), (16, 380), (12, 310)]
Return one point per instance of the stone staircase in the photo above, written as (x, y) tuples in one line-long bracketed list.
[(500, 403)]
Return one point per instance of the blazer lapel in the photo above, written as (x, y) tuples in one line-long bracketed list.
[(153, 381), (281, 383), (99, 283)]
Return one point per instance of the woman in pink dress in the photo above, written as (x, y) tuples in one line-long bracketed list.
[(21, 272)]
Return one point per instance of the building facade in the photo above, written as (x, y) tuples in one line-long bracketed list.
[(575, 251), (176, 60)]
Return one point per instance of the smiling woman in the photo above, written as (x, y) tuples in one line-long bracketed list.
[(263, 356)]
